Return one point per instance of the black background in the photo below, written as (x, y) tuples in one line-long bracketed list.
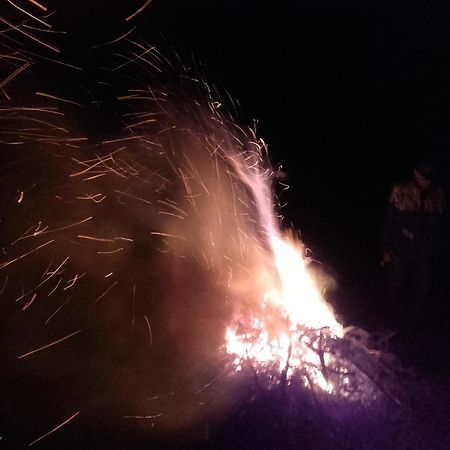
[(348, 96)]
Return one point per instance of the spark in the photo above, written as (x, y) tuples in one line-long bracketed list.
[(137, 57), (54, 97), (7, 263), (105, 292), (110, 252), (33, 298), (47, 270), (4, 286), (130, 138), (126, 194), (100, 161), (165, 213), (93, 177), (14, 74), (150, 335), (29, 14), (131, 16), (51, 110), (140, 115), (47, 138), (17, 28), (196, 174), (71, 282), (93, 238), (15, 57), (50, 345), (96, 198), (170, 204), (187, 187), (43, 281), (207, 385), (39, 5), (55, 230), (50, 318), (42, 30), (134, 306), (123, 36), (159, 233), (47, 124), (131, 170), (56, 61), (157, 397), (142, 122), (139, 95), (54, 429), (56, 287)]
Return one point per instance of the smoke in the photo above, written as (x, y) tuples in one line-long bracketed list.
[(123, 257)]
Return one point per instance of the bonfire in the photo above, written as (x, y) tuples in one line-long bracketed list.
[(99, 231)]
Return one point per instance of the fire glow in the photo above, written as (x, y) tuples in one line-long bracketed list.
[(286, 334)]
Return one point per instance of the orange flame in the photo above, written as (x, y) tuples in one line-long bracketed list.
[(286, 336)]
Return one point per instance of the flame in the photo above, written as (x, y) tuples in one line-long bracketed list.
[(287, 336), (300, 296)]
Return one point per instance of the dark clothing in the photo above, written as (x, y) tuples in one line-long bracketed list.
[(413, 236)]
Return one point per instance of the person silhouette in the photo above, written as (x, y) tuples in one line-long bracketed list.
[(412, 236)]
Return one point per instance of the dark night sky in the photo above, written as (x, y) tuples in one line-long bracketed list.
[(354, 92), (348, 95)]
